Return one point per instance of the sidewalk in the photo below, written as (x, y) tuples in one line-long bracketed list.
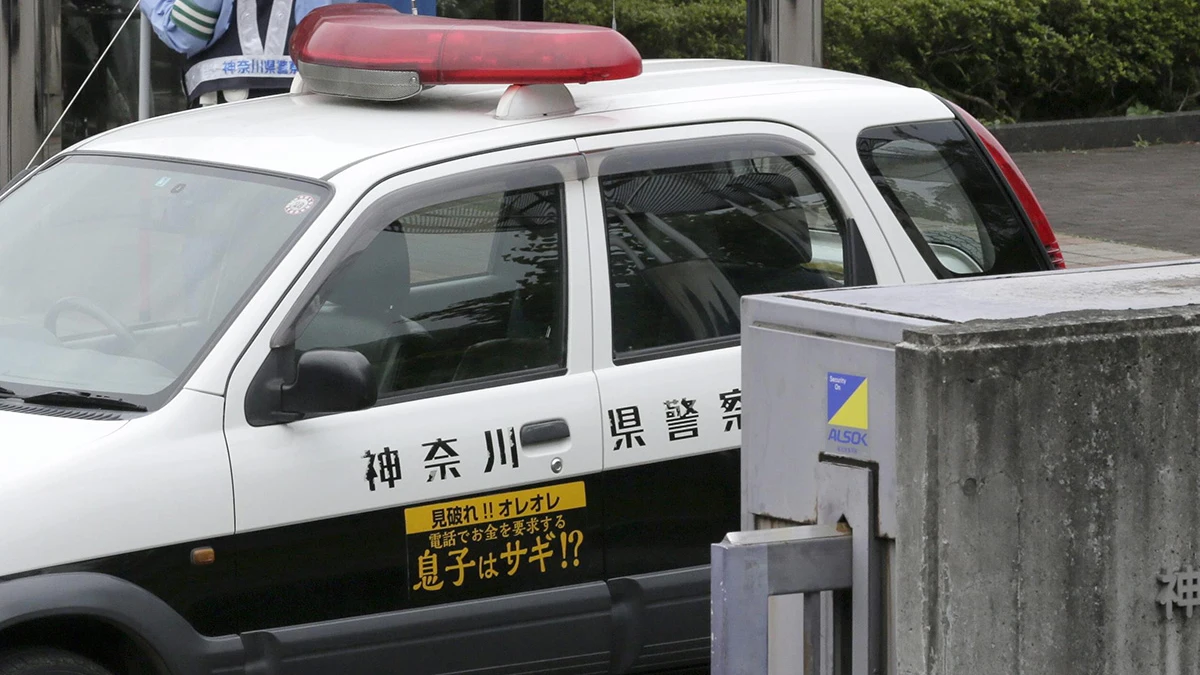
[(1121, 205), (1085, 252)]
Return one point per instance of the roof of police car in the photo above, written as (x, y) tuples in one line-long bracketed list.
[(313, 135)]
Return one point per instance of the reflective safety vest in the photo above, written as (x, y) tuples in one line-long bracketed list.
[(251, 57)]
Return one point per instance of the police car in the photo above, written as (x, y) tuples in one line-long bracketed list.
[(432, 365)]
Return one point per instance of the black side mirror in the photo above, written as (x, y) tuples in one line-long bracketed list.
[(327, 381)]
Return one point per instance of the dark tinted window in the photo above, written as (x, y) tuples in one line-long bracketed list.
[(686, 242), (949, 201), (461, 290)]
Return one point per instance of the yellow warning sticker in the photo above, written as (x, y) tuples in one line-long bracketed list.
[(504, 506), (503, 543)]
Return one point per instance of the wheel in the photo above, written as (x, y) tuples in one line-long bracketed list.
[(79, 304), (47, 661)]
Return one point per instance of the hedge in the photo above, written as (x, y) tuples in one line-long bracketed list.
[(1004, 60), (666, 29)]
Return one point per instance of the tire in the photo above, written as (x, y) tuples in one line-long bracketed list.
[(47, 661)]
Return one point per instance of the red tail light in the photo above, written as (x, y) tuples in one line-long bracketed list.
[(368, 37), (1020, 186)]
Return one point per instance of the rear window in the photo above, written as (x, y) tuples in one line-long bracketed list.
[(948, 200)]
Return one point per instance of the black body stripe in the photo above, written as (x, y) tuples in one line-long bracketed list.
[(649, 518)]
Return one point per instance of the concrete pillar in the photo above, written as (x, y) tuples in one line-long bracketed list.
[(1033, 447), (784, 31), (1048, 472)]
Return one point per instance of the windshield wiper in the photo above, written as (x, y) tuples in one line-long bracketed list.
[(5, 392), (84, 399)]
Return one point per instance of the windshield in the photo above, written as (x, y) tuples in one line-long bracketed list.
[(115, 273)]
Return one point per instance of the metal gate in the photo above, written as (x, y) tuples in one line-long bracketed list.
[(839, 569)]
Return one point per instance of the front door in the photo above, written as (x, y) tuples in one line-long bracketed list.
[(473, 477)]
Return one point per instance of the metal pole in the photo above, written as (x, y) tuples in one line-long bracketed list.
[(6, 132), (144, 91), (759, 42), (784, 31)]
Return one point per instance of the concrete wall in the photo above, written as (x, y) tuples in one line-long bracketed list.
[(1048, 471), (1099, 132)]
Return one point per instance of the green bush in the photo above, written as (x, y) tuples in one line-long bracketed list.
[(1010, 60), (1003, 60), (665, 29)]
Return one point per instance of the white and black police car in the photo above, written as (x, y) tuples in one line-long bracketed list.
[(432, 365)]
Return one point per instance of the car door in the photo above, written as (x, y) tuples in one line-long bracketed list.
[(473, 477), (683, 223)]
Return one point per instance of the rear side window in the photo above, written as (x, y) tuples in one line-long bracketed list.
[(688, 239), (948, 200)]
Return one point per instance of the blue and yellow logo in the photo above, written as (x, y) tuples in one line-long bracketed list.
[(846, 397)]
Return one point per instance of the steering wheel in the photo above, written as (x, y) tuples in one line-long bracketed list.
[(125, 338), (412, 334)]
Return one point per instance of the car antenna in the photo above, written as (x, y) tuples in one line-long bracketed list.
[(82, 85)]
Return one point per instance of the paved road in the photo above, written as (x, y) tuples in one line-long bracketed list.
[(1140, 197)]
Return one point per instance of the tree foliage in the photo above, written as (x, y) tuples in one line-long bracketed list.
[(1004, 60)]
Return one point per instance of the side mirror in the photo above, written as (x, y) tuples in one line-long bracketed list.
[(327, 381)]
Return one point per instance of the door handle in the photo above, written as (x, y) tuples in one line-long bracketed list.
[(544, 431)]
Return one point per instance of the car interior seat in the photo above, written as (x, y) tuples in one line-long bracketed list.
[(734, 222), (529, 258), (363, 307), (773, 253)]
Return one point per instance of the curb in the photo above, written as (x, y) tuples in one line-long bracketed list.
[(1099, 132)]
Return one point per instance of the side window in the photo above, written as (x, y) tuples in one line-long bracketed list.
[(686, 242), (461, 290), (950, 203), (467, 253)]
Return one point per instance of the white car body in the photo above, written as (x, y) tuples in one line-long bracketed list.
[(98, 502)]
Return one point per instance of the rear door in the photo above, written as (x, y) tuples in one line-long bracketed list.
[(474, 476), (682, 223)]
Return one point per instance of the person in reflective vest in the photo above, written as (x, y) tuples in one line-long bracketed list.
[(236, 49)]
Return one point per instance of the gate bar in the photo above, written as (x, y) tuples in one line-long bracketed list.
[(749, 567)]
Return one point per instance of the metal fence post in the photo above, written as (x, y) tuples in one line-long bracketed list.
[(739, 609), (750, 567)]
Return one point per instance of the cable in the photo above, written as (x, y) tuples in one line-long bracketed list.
[(81, 86)]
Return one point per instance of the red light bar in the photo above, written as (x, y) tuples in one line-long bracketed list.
[(369, 37)]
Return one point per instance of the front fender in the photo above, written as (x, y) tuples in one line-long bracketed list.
[(125, 606)]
